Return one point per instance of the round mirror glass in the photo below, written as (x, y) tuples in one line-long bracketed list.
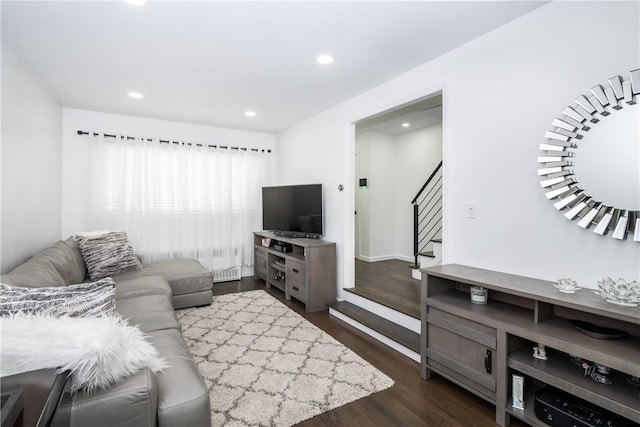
[(607, 160)]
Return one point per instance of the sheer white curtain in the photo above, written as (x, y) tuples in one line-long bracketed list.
[(180, 200)]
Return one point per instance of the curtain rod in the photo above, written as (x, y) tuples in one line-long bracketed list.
[(166, 141)]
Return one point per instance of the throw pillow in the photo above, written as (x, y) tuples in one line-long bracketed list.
[(83, 300), (107, 253), (97, 350)]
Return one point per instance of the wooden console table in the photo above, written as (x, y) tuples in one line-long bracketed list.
[(480, 347), (307, 272)]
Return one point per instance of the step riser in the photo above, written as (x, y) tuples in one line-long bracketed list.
[(390, 314), (437, 249), (425, 261), (382, 338)]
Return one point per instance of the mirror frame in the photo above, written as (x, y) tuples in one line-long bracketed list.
[(558, 180)]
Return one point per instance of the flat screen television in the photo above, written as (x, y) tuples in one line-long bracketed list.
[(293, 210)]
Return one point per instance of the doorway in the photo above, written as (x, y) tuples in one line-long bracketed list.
[(395, 152)]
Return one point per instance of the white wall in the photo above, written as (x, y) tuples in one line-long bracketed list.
[(31, 163), (396, 167), (500, 94), (76, 161), (375, 203)]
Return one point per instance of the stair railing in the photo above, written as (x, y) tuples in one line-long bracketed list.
[(427, 212)]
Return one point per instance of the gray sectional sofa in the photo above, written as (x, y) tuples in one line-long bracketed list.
[(146, 297)]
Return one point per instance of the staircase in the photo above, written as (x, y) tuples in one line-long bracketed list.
[(427, 223), (397, 326)]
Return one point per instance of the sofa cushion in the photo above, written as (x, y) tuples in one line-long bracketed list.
[(139, 286), (185, 275), (107, 253), (83, 300), (37, 272), (183, 397), (75, 250), (148, 312), (66, 260)]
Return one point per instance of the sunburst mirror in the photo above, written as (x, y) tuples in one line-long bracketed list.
[(557, 154)]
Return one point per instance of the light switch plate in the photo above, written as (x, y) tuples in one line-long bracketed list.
[(471, 210)]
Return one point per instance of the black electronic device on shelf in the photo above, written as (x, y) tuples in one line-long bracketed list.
[(560, 409), (282, 246), (295, 234)]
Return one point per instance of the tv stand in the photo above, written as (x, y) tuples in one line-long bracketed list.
[(296, 234), (305, 270)]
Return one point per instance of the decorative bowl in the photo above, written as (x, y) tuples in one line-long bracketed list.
[(566, 285), (619, 292)]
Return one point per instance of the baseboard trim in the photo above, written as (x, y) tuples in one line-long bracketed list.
[(385, 258)]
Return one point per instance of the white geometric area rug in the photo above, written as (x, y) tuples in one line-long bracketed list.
[(266, 365)]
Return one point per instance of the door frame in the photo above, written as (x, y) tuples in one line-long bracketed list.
[(391, 104)]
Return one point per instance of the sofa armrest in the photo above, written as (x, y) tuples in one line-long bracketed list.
[(132, 402)]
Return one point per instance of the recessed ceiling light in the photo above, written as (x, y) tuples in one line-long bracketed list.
[(136, 2), (324, 59), (135, 95), (250, 113), (406, 125)]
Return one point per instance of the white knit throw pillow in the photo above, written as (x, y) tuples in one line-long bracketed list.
[(97, 350)]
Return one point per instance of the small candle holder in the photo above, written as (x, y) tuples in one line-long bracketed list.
[(479, 295), (566, 285)]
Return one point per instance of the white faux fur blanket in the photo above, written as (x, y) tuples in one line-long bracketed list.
[(97, 350)]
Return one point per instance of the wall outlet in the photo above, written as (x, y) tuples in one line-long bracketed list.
[(471, 210)]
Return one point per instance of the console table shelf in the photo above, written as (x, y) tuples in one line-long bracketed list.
[(494, 314), (480, 346), (560, 373), (527, 414), (279, 267), (306, 271)]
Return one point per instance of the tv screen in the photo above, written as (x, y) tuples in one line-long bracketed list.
[(292, 208)]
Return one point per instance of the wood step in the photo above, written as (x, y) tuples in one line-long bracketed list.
[(391, 330), (389, 298)]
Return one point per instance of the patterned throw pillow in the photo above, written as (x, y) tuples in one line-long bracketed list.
[(83, 300), (107, 253)]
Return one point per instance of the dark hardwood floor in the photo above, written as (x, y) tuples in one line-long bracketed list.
[(388, 283), (410, 402)]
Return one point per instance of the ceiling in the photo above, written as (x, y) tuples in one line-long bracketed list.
[(406, 118), (207, 62)]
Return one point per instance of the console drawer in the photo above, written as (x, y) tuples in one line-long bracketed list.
[(296, 272), (297, 280)]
